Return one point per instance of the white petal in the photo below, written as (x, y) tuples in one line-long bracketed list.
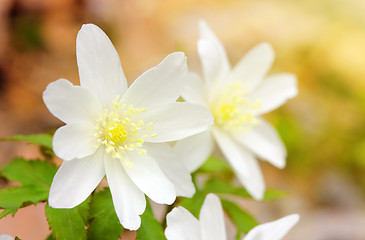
[(146, 174), (274, 91), (99, 65), (232, 152), (182, 225), (212, 219), (70, 103), (195, 150), (161, 84), (252, 68), (75, 140), (244, 165), (75, 180), (129, 202), (212, 55), (172, 167), (275, 230), (194, 89), (264, 141), (6, 237), (175, 121)]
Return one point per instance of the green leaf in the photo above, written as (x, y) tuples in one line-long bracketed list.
[(104, 221), (150, 228), (33, 172), (273, 194), (39, 139), (214, 164), (50, 237), (68, 223), (194, 204), (11, 199), (36, 177), (242, 219), (216, 185)]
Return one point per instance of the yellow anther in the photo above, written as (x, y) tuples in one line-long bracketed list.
[(232, 110), (119, 129)]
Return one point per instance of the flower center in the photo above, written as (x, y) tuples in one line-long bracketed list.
[(232, 110), (119, 129)]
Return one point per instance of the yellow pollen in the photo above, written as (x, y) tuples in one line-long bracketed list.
[(232, 110), (119, 129)]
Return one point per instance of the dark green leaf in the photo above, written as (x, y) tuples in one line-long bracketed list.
[(11, 199), (242, 219), (104, 221), (214, 164), (33, 172), (194, 204), (36, 177), (150, 228), (39, 139), (68, 223), (216, 185)]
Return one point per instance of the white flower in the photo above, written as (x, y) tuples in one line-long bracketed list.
[(121, 132), (6, 237), (182, 225), (237, 97)]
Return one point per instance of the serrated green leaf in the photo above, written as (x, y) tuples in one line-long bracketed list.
[(36, 177), (150, 228), (6, 212), (11, 199), (39, 139), (50, 237), (32, 172), (214, 164), (104, 221), (216, 185), (194, 204), (68, 223), (242, 219)]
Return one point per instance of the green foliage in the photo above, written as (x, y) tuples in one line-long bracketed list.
[(195, 203), (11, 199), (242, 219), (213, 164), (68, 223), (273, 194), (34, 175), (218, 186), (44, 140), (150, 228), (103, 219), (32, 172)]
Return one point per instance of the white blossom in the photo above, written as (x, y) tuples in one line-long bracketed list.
[(237, 97), (182, 225), (121, 132)]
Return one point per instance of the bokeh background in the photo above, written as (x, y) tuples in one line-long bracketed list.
[(321, 41)]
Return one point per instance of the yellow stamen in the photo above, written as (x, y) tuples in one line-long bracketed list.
[(232, 110), (119, 129)]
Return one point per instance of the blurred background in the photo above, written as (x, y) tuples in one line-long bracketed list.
[(321, 41)]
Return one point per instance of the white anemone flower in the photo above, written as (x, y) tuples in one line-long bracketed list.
[(121, 132), (237, 97), (182, 225)]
